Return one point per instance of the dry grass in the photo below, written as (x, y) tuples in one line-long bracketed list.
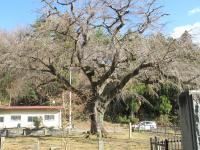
[(114, 141), (117, 139)]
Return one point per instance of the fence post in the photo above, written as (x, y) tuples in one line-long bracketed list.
[(175, 142), (2, 143), (130, 130), (100, 144), (151, 143), (45, 131), (166, 144), (37, 145), (156, 143), (24, 132), (7, 133)]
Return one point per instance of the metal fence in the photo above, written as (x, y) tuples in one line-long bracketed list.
[(118, 138), (171, 130), (167, 144)]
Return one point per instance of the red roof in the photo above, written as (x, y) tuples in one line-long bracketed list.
[(31, 107)]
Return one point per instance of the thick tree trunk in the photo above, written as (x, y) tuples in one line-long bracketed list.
[(94, 123), (96, 117), (97, 124)]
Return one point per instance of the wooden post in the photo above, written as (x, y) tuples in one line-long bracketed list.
[(130, 131), (7, 133), (156, 143), (101, 144), (175, 142), (2, 143), (37, 145), (166, 144), (45, 131), (24, 132), (151, 144)]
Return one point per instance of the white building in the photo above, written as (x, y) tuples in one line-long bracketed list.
[(23, 116)]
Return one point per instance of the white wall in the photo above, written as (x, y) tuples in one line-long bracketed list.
[(8, 123)]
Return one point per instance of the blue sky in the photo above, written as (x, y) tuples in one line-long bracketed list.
[(184, 15), (15, 13)]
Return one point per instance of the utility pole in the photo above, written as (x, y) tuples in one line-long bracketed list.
[(70, 100)]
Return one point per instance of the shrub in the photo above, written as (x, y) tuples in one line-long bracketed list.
[(123, 119), (37, 122), (165, 105), (134, 120), (163, 120), (174, 119)]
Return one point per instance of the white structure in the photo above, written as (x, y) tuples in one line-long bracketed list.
[(23, 116)]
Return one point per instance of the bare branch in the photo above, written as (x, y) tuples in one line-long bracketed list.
[(132, 74), (67, 3), (112, 68)]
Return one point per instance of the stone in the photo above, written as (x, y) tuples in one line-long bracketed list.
[(189, 103)]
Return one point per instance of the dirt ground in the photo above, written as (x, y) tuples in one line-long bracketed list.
[(117, 139)]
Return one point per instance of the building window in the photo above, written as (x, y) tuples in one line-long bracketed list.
[(49, 117), (15, 118), (1, 119), (31, 118)]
